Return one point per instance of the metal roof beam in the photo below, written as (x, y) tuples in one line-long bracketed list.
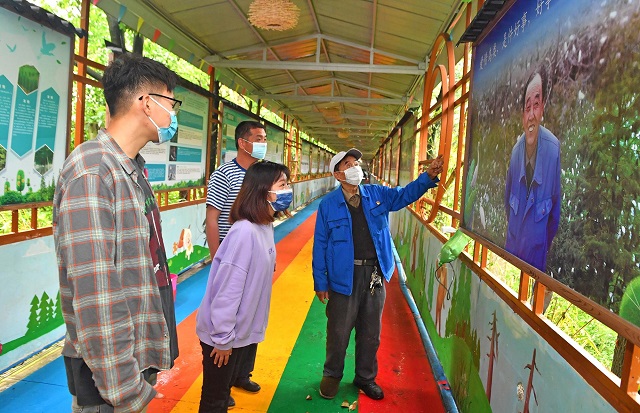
[(352, 127), (323, 67), (345, 116), (352, 135), (305, 83), (266, 46), (333, 99), (330, 38), (327, 80), (349, 43)]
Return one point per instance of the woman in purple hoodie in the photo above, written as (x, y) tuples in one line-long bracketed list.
[(235, 308)]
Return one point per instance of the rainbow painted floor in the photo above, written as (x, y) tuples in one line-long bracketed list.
[(290, 360)]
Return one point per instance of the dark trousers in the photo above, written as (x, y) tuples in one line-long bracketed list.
[(248, 364), (217, 381), (362, 311)]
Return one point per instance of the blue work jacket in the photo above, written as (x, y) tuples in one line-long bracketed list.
[(333, 238), (533, 216)]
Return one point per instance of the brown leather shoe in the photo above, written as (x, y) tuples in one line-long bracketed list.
[(329, 387)]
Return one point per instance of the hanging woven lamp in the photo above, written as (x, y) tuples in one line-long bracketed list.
[(273, 14)]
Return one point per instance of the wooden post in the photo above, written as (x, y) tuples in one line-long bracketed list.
[(82, 72), (631, 370)]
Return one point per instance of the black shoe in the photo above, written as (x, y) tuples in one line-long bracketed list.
[(248, 385), (231, 403), (372, 390)]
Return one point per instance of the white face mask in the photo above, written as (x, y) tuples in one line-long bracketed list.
[(353, 175)]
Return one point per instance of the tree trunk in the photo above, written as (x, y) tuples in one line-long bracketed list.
[(138, 44), (117, 36), (618, 356)]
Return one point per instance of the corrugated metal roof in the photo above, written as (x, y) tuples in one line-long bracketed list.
[(355, 63), (42, 16)]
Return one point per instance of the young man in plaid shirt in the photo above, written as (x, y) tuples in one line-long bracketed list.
[(114, 280)]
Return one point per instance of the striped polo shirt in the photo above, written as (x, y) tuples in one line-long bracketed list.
[(224, 186)]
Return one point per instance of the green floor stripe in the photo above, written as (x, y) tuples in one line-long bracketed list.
[(303, 372)]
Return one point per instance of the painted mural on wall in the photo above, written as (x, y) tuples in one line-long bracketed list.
[(185, 238), (34, 91), (30, 290), (30, 295), (553, 148), (494, 362), (306, 191)]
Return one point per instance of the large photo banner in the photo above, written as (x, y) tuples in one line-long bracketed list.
[(35, 76), (554, 146)]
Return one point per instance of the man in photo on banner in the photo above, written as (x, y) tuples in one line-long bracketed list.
[(532, 192)]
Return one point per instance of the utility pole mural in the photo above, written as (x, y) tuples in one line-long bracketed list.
[(493, 353), (414, 254), (441, 274), (530, 389)]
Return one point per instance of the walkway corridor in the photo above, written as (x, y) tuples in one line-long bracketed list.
[(290, 360)]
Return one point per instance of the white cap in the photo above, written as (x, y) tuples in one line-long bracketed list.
[(341, 155)]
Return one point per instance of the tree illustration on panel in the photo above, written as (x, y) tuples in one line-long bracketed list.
[(414, 246), (46, 309), (443, 293), (58, 311), (459, 317), (493, 352), (430, 287), (34, 321), (530, 389)]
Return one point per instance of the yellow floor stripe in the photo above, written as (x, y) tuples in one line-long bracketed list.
[(290, 302)]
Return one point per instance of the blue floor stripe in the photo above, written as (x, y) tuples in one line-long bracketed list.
[(45, 390)]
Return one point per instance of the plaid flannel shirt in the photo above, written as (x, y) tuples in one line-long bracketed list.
[(109, 295)]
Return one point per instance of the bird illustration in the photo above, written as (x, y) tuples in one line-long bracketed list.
[(12, 49), (46, 48)]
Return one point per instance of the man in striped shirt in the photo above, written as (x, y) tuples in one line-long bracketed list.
[(222, 190), (115, 293)]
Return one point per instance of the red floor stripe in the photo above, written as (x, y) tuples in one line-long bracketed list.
[(404, 371), (173, 384), (289, 247)]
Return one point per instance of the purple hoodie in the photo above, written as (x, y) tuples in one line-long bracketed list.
[(235, 307)]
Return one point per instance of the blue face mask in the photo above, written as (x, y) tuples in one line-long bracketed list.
[(283, 199), (259, 150), (165, 134)]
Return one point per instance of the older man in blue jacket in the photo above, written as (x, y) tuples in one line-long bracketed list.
[(352, 252)]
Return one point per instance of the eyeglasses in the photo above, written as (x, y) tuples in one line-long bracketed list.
[(176, 103)]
